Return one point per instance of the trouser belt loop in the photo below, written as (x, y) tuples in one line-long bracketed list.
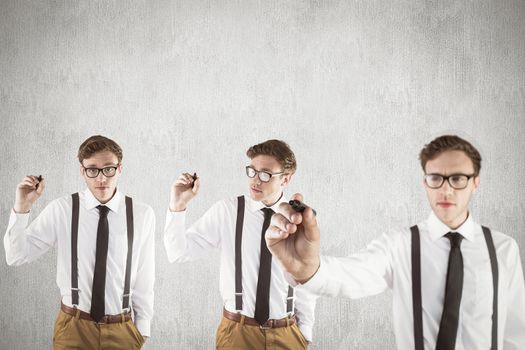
[(287, 321), (242, 320), (123, 318), (77, 313)]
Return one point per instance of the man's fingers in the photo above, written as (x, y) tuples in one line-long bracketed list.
[(289, 213), (33, 180), (196, 185), (27, 182), (283, 224), (309, 218), (188, 177), (180, 182), (311, 229), (41, 186), (298, 197), (184, 179), (32, 177), (274, 235)]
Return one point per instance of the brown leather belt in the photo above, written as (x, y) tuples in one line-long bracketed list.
[(237, 317), (86, 316)]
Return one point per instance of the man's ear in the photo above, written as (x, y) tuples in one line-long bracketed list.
[(286, 179), (476, 182)]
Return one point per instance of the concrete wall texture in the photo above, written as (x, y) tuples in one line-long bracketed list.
[(355, 87)]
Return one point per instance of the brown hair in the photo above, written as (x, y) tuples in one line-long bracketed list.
[(450, 143), (96, 144), (277, 149)]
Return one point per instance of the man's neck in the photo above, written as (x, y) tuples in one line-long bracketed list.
[(105, 201), (272, 202), (458, 222)]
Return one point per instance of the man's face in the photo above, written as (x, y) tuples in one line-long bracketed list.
[(267, 192), (103, 187), (449, 204)]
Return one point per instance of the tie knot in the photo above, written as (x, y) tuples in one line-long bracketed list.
[(455, 239), (268, 212), (103, 210)]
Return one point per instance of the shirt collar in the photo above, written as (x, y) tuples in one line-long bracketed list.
[(256, 205), (91, 202), (438, 229)]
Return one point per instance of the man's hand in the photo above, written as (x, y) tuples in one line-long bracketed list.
[(293, 239), (182, 191), (27, 192)]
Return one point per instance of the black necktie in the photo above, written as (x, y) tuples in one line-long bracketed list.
[(262, 301), (99, 277), (448, 327)]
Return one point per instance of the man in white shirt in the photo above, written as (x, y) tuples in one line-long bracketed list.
[(105, 246), (261, 310), (455, 284)]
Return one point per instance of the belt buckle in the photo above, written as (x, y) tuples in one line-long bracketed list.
[(102, 321), (270, 326)]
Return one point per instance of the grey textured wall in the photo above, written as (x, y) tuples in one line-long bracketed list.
[(355, 87)]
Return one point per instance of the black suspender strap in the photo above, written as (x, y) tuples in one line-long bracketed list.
[(129, 221), (238, 259), (495, 278), (289, 300), (74, 251), (416, 289)]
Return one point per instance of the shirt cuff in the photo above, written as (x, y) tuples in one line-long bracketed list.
[(179, 216), (18, 220), (144, 327), (306, 332), (316, 284)]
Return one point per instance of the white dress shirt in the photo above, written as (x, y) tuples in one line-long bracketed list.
[(52, 228), (386, 263), (216, 229)]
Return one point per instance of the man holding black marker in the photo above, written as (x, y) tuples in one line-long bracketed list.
[(105, 246), (261, 310), (456, 284)]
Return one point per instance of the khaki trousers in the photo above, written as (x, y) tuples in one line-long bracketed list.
[(238, 336), (72, 332)]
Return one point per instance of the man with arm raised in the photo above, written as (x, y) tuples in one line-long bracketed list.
[(261, 310), (456, 284), (105, 248)]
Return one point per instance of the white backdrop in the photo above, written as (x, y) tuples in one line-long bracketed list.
[(355, 87)]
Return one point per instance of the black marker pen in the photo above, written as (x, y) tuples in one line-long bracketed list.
[(39, 178), (194, 178), (299, 206)]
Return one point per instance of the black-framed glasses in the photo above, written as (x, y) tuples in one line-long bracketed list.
[(264, 176), (456, 181), (108, 171)]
